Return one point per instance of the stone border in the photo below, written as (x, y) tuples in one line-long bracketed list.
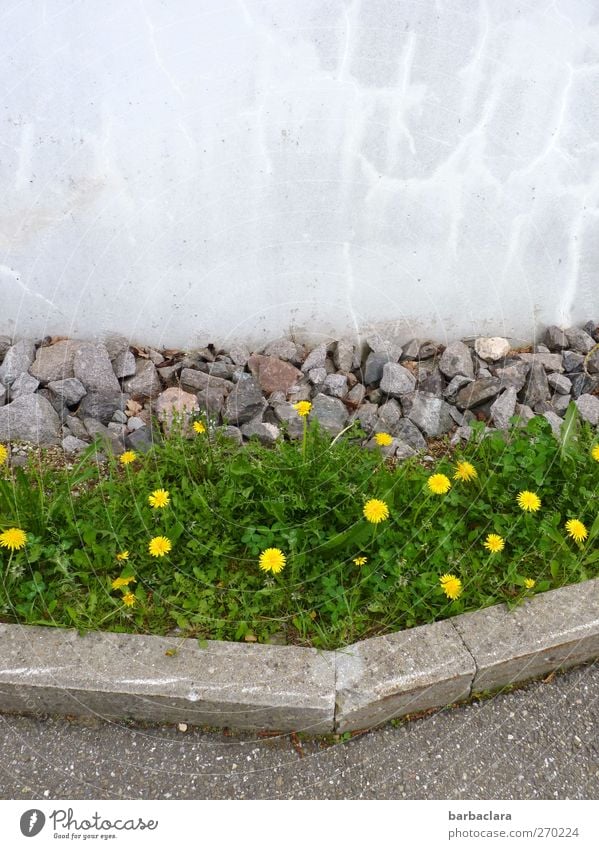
[(287, 688)]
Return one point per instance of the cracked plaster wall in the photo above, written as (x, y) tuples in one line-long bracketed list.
[(234, 169)]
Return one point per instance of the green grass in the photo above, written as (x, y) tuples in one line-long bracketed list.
[(228, 504)]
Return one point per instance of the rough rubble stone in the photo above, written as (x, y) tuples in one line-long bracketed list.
[(592, 362), (477, 392), (226, 371), (273, 375), (233, 433), (366, 415), (330, 413), (142, 439), (191, 380), (525, 413), (102, 405), (335, 385), (397, 380), (174, 404), (345, 356), (389, 415), (560, 403), (212, 401), (92, 366), (560, 383), (492, 348), (588, 407), (503, 408), (430, 414), (410, 350), (31, 418), (457, 360), (315, 359), (427, 350), (240, 354), (380, 343), (555, 421), (3, 394), (25, 384), (286, 413), (317, 376), (578, 340), (134, 423), (356, 395), (434, 383), (73, 445), (573, 361), (407, 432), (18, 359), (555, 338), (70, 390), (592, 328), (584, 384), (283, 349), (110, 440), (115, 345), (536, 388), (373, 367), (123, 364), (245, 401), (146, 383), (266, 433), (455, 384), (550, 362), (54, 362)]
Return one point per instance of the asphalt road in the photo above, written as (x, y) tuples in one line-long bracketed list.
[(538, 742)]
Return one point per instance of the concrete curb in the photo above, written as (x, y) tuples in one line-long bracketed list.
[(287, 688)]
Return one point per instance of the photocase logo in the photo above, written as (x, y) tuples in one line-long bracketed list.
[(32, 822)]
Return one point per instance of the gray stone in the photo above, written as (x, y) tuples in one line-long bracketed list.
[(233, 433), (588, 407), (146, 383), (25, 384), (407, 432), (550, 362), (389, 415), (119, 416), (72, 445), (102, 405), (76, 427), (553, 629), (227, 371), (134, 423), (403, 451), (115, 345), (5, 344), (330, 413), (432, 415), (119, 429), (555, 338), (427, 350), (592, 328), (457, 360), (174, 405), (31, 418), (239, 353), (579, 340), (381, 343), (54, 362), (142, 439), (3, 394), (287, 414), (315, 359), (92, 366), (245, 401), (366, 415), (402, 673), (560, 383), (273, 374), (462, 434), (317, 376), (212, 401), (70, 390), (536, 388), (503, 408), (555, 421), (560, 403), (525, 413), (584, 384), (192, 380), (592, 362), (345, 357), (373, 367), (283, 349), (434, 383), (492, 348), (411, 350), (266, 433), (397, 380), (123, 364), (356, 395), (480, 390), (111, 441), (385, 450), (155, 356), (573, 361), (335, 385), (18, 359), (455, 384), (167, 680), (483, 372)]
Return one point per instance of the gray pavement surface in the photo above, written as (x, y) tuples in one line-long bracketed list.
[(537, 742)]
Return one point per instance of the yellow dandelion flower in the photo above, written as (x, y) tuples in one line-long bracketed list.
[(122, 582), (451, 586), (360, 561), (302, 408), (129, 599), (439, 484), (3, 454), (159, 546), (576, 530), (494, 543), (595, 452), (383, 439), (199, 427), (272, 560), (128, 457), (123, 555), (529, 583), (465, 471), (376, 511), (528, 501), (13, 538), (159, 498)]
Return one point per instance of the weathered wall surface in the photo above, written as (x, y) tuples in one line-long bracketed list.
[(207, 169)]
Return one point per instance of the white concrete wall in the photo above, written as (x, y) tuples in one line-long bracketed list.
[(186, 170)]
